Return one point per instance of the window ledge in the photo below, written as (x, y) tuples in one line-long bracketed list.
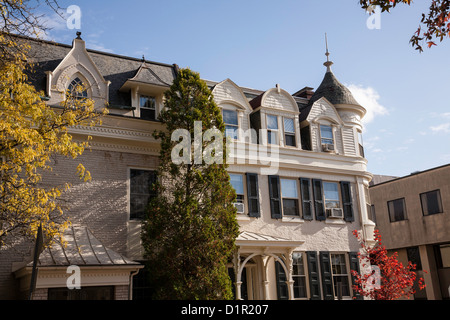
[(292, 219), (242, 217), (335, 221)]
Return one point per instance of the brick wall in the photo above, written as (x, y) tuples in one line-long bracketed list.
[(101, 204)]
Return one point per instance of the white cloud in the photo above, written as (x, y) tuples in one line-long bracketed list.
[(445, 128), (368, 97)]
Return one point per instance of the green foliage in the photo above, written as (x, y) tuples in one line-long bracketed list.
[(191, 225)]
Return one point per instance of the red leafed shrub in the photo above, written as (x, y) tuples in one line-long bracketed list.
[(389, 279)]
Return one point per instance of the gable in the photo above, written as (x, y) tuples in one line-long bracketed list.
[(322, 109), (279, 99), (228, 92), (77, 64)]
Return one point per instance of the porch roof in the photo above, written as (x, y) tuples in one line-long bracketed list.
[(82, 248), (247, 238)]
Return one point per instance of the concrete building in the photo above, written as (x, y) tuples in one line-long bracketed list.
[(301, 180), (412, 214)]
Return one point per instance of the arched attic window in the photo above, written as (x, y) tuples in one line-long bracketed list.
[(77, 89)]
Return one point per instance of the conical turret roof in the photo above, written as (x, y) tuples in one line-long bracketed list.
[(334, 91)]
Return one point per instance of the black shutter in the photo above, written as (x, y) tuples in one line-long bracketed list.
[(275, 198), (354, 265), (313, 275), (347, 203), (253, 195), (282, 287), (318, 199), (327, 277), (305, 190)]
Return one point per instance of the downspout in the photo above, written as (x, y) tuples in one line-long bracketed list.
[(130, 286)]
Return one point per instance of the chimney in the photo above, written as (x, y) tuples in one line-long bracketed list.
[(306, 92)]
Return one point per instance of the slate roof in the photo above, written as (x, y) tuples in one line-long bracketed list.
[(331, 89), (82, 249), (47, 55)]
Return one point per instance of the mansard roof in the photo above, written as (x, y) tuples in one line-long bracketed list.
[(47, 55)]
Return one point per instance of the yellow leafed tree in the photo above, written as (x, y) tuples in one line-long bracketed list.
[(31, 132)]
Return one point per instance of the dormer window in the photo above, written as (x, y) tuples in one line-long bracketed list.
[(289, 132), (326, 138), (147, 106), (77, 89), (230, 118), (272, 129)]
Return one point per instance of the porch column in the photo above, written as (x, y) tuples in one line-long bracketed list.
[(265, 260), (238, 290), (237, 274), (290, 269)]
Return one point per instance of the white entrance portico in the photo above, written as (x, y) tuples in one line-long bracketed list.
[(256, 252)]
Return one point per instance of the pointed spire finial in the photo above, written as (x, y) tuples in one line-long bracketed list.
[(328, 63)]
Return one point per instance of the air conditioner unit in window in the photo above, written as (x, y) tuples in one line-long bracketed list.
[(334, 213), (239, 207), (328, 147)]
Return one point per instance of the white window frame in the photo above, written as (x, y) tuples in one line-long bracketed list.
[(304, 275), (346, 274), (333, 138), (236, 126), (293, 133), (297, 214), (274, 131)]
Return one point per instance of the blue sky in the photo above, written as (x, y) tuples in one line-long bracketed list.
[(259, 43)]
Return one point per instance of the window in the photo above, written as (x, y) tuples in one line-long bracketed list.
[(442, 252), (77, 89), (413, 255), (326, 134), (431, 202), (289, 195), (397, 210), (360, 142), (340, 275), (289, 132), (147, 107), (141, 192), (331, 195), (85, 293), (298, 275), (238, 185), (230, 118), (237, 182), (272, 129)]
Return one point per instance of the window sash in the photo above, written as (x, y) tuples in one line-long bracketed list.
[(339, 273), (397, 210), (272, 122), (299, 275), (331, 195), (141, 191), (326, 134), (147, 102), (237, 182), (431, 202)]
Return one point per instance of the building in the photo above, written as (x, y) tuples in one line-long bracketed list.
[(412, 214), (297, 166)]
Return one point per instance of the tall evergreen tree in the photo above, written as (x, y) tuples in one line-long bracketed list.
[(191, 226)]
